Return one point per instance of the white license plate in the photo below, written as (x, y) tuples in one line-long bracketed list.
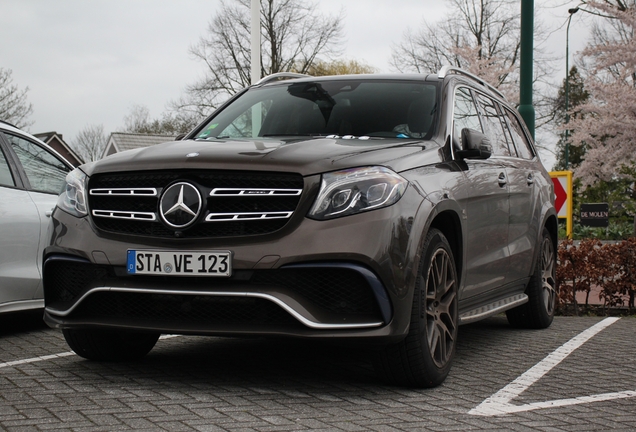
[(179, 263)]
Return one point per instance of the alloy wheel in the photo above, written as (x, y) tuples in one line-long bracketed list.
[(441, 308)]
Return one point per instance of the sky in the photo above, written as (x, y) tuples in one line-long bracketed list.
[(89, 62)]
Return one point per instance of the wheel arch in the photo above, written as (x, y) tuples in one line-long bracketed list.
[(552, 225), (449, 224)]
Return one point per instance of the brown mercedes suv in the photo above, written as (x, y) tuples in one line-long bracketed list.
[(384, 209)]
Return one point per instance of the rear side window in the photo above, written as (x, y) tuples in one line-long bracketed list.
[(524, 149), (45, 172), (493, 126), (6, 178)]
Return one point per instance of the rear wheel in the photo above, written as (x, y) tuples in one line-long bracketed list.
[(423, 358), (538, 312), (110, 345)]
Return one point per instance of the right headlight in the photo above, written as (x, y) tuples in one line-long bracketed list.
[(357, 190), (73, 197)]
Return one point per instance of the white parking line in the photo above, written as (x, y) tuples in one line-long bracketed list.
[(54, 356), (36, 359), (500, 402)]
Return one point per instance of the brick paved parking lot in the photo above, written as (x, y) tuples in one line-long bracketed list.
[(213, 384)]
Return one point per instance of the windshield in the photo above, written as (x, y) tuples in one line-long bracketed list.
[(390, 109)]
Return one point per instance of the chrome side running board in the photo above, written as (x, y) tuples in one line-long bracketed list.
[(492, 308)]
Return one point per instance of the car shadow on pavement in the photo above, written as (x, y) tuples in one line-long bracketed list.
[(268, 363), (13, 323), (278, 365), (206, 362)]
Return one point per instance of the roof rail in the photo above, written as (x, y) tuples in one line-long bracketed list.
[(445, 70), (280, 75)]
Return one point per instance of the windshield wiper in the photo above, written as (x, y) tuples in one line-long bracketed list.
[(212, 137), (286, 135)]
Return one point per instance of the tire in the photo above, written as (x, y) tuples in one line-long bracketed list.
[(110, 345), (538, 312), (424, 357)]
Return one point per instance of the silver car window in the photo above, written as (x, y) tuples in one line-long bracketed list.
[(6, 178), (45, 172)]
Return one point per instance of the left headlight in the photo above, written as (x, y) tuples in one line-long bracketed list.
[(357, 190), (73, 197)]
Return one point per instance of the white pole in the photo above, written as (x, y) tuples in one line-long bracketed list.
[(255, 29), (256, 41)]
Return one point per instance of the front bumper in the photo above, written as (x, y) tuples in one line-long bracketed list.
[(346, 278)]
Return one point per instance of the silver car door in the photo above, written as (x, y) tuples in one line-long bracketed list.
[(19, 238), (45, 173)]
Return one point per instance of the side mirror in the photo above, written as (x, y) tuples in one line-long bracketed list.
[(475, 145), (180, 137)]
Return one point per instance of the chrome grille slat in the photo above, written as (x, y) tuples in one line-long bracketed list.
[(229, 192), (116, 214), (224, 217), (124, 191)]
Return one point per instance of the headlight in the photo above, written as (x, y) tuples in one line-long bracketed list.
[(357, 190), (73, 197)]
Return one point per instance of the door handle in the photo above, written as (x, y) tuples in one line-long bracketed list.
[(502, 179), (530, 179)]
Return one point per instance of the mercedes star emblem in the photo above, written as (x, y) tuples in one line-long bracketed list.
[(180, 205)]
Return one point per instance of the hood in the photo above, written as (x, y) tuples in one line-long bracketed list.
[(304, 156)]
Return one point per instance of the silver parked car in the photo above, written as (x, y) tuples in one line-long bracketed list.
[(31, 177)]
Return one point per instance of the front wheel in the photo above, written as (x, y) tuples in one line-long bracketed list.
[(110, 345), (538, 312), (423, 358)]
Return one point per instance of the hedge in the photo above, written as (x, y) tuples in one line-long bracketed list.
[(588, 263)]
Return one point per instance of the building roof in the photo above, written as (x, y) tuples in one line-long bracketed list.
[(56, 141), (122, 141)]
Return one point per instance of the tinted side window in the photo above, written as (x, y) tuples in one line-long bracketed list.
[(493, 126), (465, 113), (45, 172), (6, 178), (524, 149)]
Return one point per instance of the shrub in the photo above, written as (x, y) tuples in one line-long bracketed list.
[(588, 263)]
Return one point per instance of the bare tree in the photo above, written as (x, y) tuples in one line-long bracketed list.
[(90, 142), (293, 36), (490, 26), (138, 121), (14, 107), (483, 37), (339, 67)]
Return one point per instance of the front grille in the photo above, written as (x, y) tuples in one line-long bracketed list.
[(235, 203)]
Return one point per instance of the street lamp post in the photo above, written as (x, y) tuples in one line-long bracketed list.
[(567, 86), (525, 64)]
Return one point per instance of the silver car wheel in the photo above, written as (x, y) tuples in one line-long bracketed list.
[(548, 275), (440, 306)]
